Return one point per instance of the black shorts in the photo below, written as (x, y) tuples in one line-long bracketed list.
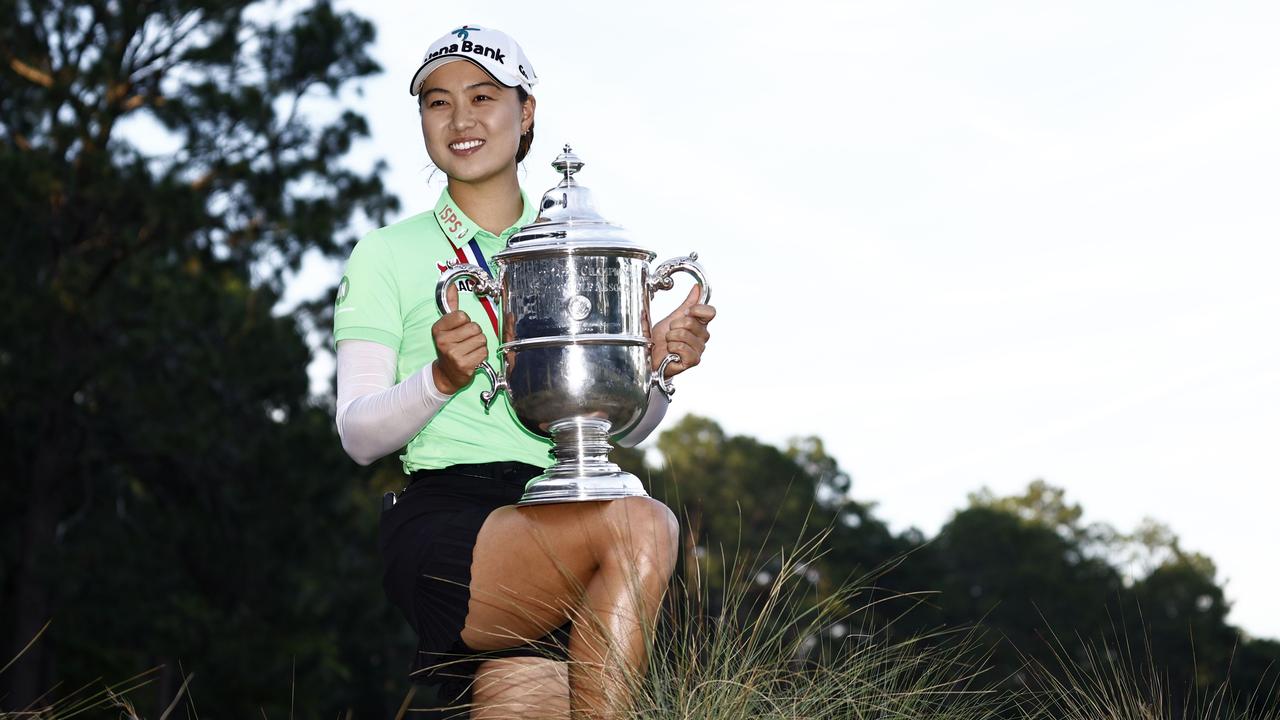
[(426, 540)]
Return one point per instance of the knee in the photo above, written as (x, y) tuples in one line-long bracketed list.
[(649, 526)]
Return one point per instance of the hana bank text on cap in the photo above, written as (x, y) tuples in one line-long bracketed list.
[(496, 52)]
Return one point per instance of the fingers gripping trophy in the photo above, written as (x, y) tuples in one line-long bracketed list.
[(576, 349)]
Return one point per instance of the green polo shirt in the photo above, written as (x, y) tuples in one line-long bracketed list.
[(388, 296)]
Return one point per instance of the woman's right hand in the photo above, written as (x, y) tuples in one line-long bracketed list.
[(460, 347)]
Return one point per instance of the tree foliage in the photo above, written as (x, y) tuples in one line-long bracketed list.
[(174, 493), (737, 496), (1041, 587)]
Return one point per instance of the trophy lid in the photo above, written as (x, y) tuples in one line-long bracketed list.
[(568, 221)]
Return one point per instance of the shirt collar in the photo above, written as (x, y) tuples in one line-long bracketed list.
[(460, 229)]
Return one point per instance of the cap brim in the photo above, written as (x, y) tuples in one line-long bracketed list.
[(429, 66)]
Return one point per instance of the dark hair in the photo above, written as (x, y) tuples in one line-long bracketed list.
[(526, 139)]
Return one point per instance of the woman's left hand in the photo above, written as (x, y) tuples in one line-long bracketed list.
[(683, 332)]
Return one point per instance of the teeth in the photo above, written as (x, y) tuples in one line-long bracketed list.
[(466, 145)]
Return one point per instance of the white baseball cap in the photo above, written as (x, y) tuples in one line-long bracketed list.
[(496, 52)]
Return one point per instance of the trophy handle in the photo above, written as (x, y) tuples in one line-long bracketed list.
[(484, 285), (498, 382), (454, 270), (660, 382), (661, 278)]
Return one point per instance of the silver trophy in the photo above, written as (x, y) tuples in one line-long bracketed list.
[(574, 292)]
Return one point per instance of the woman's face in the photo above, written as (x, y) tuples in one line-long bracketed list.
[(471, 124)]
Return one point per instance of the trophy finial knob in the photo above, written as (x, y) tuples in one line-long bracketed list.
[(567, 163)]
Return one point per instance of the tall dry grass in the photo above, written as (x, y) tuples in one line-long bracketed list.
[(1115, 681), (778, 651)]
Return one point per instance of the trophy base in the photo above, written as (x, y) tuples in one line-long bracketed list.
[(582, 472), (549, 489)]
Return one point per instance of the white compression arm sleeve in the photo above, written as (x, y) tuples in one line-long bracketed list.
[(376, 416)]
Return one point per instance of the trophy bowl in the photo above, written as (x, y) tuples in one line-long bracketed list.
[(576, 351)]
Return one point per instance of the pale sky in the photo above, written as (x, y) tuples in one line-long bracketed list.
[(967, 244)]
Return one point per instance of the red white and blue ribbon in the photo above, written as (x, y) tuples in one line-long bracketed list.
[(471, 253)]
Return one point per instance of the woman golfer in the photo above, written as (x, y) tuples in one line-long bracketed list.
[(496, 593)]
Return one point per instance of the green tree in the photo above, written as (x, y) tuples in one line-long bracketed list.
[(1255, 669), (1045, 586), (1045, 590), (1179, 614), (1042, 505), (173, 493), (745, 505), (1023, 582)]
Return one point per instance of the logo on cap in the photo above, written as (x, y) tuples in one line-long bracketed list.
[(490, 50)]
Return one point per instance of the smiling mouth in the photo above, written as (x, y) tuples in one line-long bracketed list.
[(465, 145)]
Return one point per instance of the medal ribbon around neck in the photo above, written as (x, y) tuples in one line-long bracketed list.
[(470, 253)]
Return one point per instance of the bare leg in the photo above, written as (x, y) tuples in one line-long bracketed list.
[(521, 688), (603, 565), (609, 642)]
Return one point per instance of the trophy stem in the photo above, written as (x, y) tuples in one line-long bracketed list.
[(581, 447), (582, 470)]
